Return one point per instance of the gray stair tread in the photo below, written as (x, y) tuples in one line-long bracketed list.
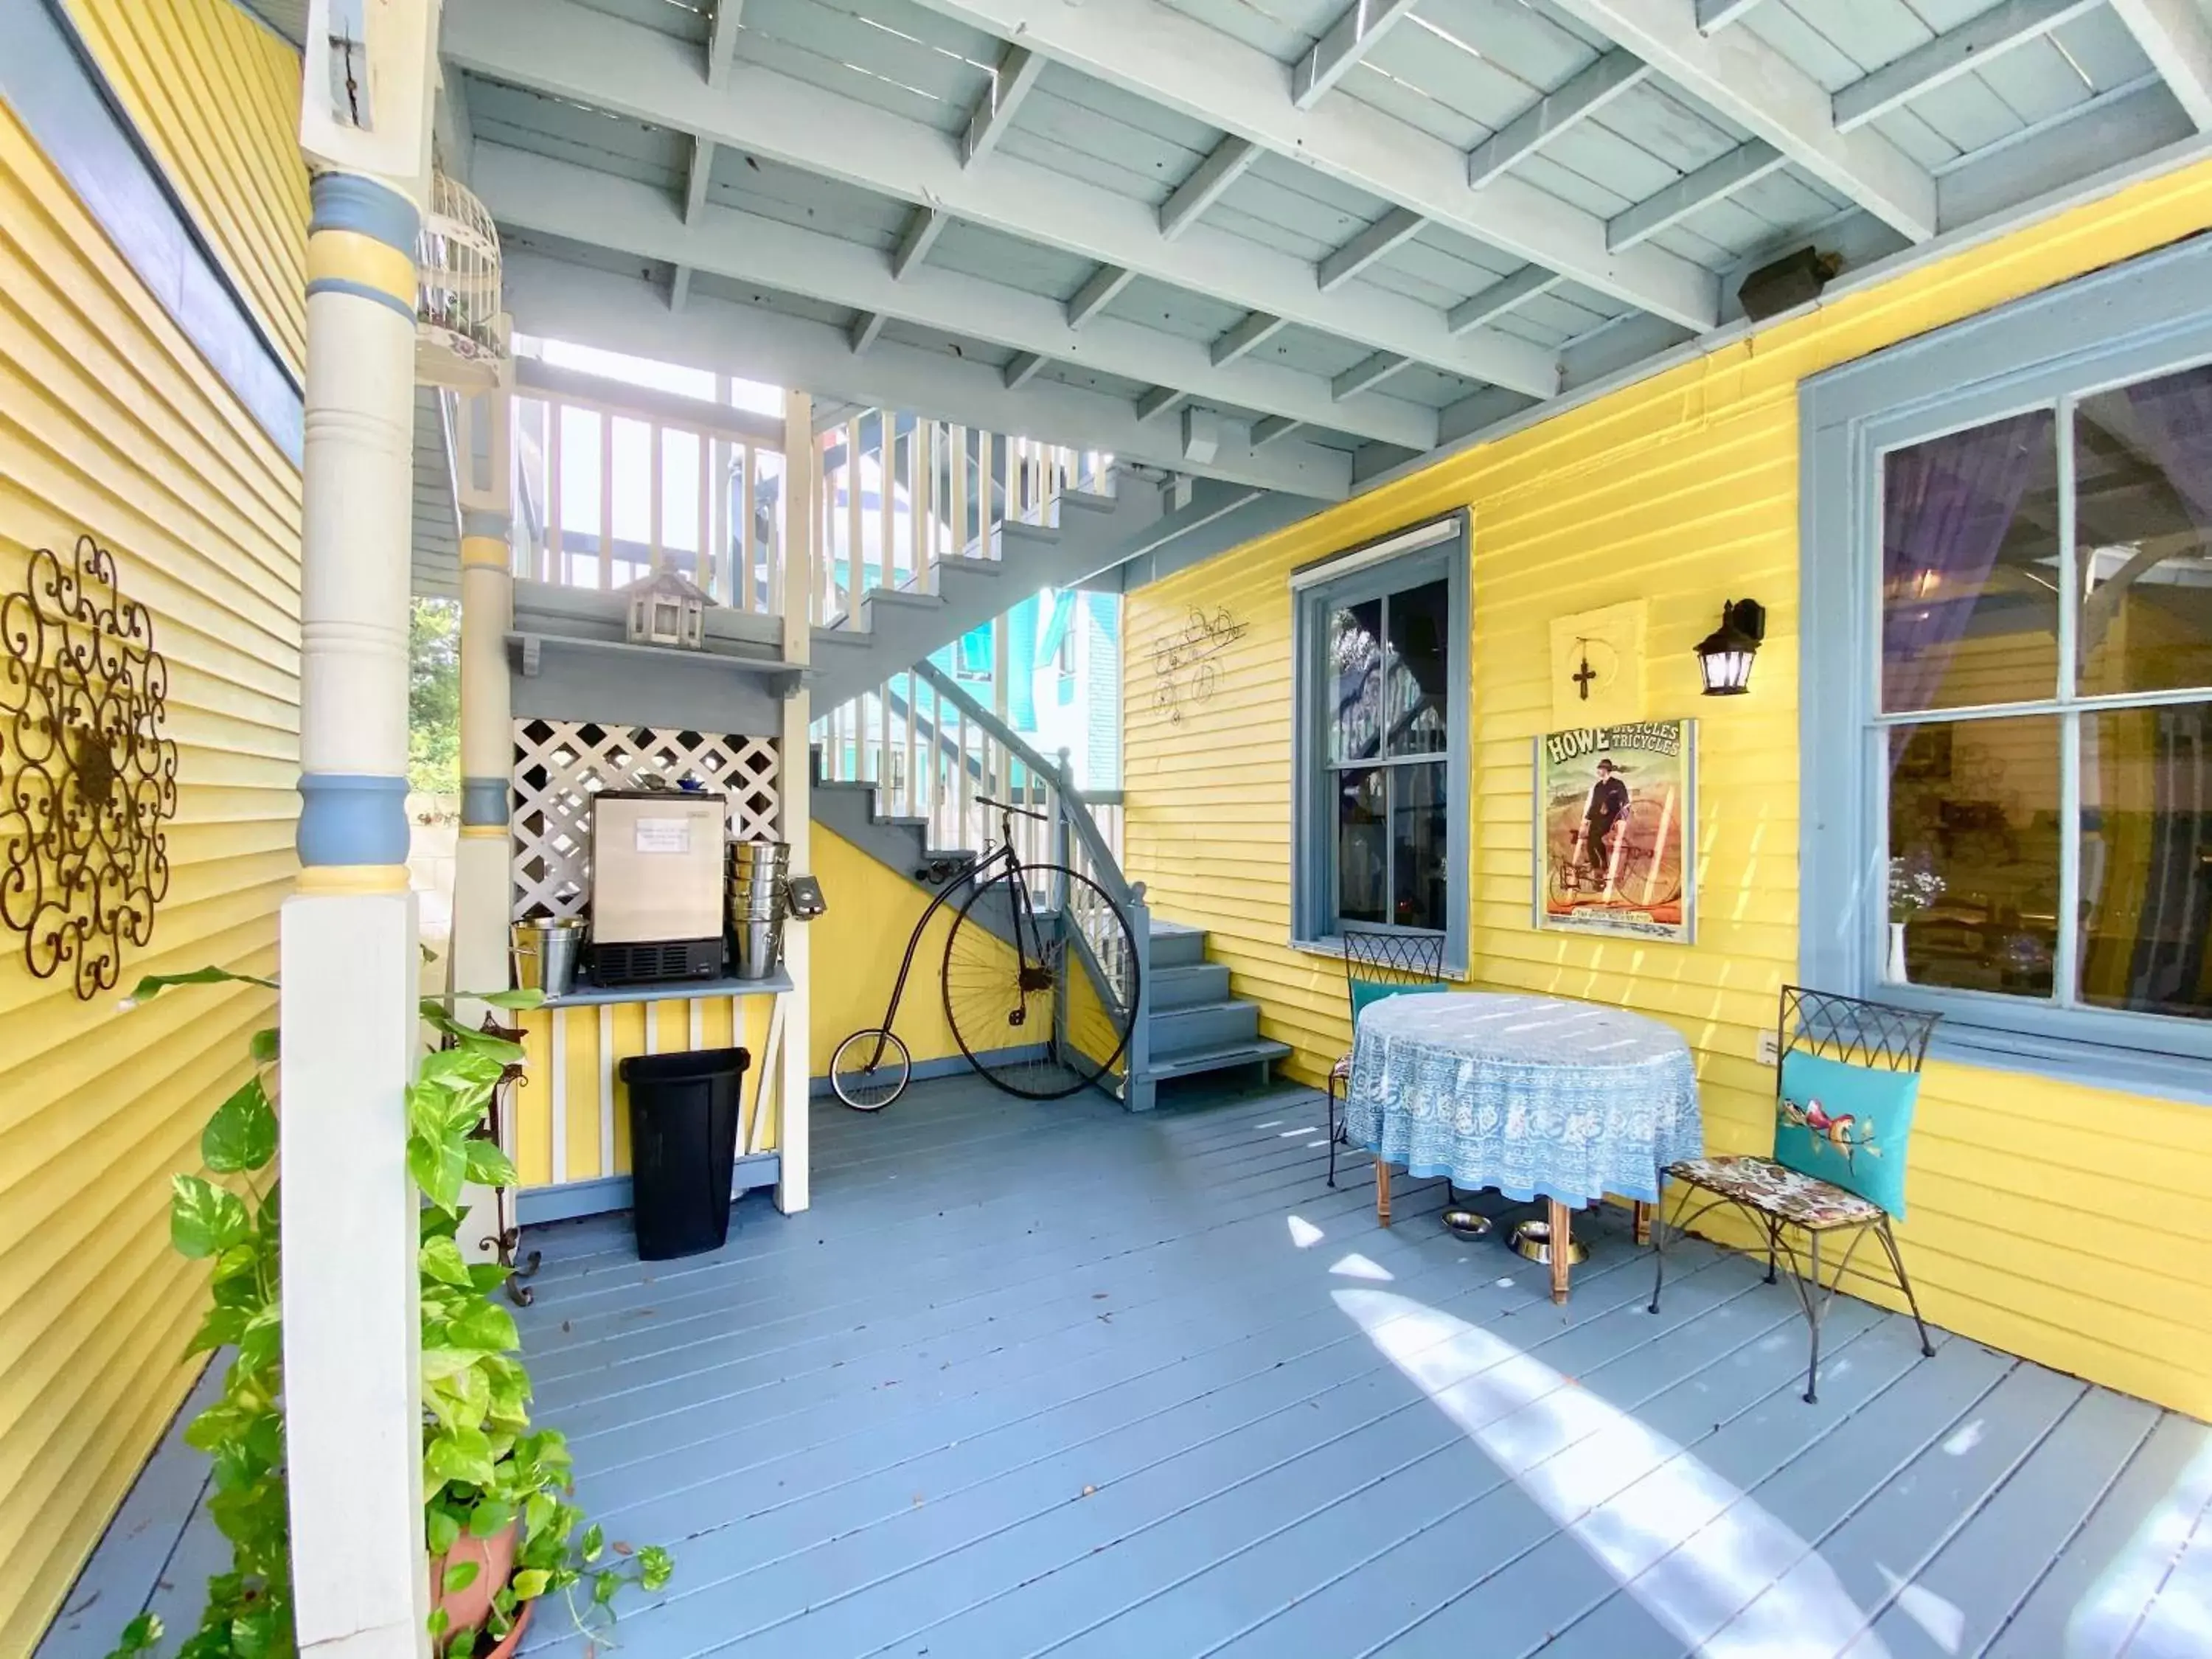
[(1213, 1060), (1218, 1005), (1173, 929)]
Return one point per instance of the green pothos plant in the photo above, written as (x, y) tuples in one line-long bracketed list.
[(485, 1470)]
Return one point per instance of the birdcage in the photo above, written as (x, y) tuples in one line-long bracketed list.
[(459, 339)]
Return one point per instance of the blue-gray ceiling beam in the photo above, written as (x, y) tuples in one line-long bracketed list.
[(1744, 164), (2177, 39), (722, 39), (1365, 376), (1349, 40), (994, 111), (921, 232), (1257, 328), (570, 50), (1556, 112), (866, 328), (1222, 168), (1398, 226), (1098, 292), (1739, 76), (1714, 14), (1501, 296), (1177, 61), (1965, 49)]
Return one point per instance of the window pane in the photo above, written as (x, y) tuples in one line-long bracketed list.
[(2147, 859), (1970, 567), (1417, 876), (1354, 677), (1362, 845), (2143, 470), (1973, 846), (1420, 629)]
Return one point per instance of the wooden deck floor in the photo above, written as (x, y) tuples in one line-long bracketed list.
[(1049, 1379)]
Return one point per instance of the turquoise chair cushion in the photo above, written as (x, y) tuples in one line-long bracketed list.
[(1846, 1124), (1366, 992)]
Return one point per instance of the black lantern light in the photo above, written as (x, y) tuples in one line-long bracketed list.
[(1724, 655)]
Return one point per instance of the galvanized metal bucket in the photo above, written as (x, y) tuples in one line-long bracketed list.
[(758, 871), (546, 950)]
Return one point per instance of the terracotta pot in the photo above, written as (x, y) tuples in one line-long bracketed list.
[(495, 1560)]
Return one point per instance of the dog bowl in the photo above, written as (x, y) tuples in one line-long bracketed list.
[(1467, 1223), (1533, 1239)]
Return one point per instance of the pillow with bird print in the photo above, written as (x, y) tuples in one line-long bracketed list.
[(1846, 1124)]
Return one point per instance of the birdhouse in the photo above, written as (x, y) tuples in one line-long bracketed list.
[(666, 608)]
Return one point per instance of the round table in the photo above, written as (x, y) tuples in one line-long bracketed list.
[(1538, 1097)]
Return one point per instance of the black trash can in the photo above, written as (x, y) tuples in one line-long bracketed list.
[(683, 1147)]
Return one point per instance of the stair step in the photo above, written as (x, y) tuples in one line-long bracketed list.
[(1204, 1026), (1181, 987), (1175, 946), (1091, 501), (1193, 1062)]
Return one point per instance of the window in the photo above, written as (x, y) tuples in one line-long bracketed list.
[(2023, 699), (1380, 839)]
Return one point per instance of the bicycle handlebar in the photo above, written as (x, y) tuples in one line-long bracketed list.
[(1008, 807)]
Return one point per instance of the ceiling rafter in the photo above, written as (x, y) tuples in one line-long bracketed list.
[(1157, 401), (1349, 40), (1255, 331), (2175, 36), (565, 199), (1365, 376), (1560, 111), (994, 113), (605, 308), (722, 39), (1501, 296), (1739, 76), (922, 230), (1395, 228), (1176, 60), (1715, 14), (573, 51), (1223, 166), (1103, 286), (1945, 58), (1701, 187), (866, 328)]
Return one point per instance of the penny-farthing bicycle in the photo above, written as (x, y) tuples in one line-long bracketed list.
[(1034, 1022)]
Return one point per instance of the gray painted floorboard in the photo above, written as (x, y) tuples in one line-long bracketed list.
[(1047, 1379)]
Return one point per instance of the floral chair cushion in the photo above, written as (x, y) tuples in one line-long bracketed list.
[(1772, 1188)]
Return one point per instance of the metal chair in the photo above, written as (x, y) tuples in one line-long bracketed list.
[(1775, 1197), (1388, 958)]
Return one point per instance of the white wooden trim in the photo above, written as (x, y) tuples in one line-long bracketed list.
[(558, 1092), (2177, 40), (696, 1025), (1742, 77), (607, 1088), (1407, 541)]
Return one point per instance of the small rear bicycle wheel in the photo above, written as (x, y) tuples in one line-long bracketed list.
[(869, 1069), (1005, 984)]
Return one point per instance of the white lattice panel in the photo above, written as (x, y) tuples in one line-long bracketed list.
[(559, 765)]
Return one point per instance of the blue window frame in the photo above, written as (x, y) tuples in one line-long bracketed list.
[(1379, 831), (2006, 701)]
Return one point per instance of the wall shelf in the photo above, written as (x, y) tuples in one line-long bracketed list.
[(674, 990)]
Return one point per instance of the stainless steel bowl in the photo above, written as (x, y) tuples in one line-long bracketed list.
[(1533, 1239), (1467, 1223)]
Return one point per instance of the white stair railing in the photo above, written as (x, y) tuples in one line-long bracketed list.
[(901, 493)]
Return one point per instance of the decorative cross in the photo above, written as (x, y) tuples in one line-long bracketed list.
[(1583, 676)]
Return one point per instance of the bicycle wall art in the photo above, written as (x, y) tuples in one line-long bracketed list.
[(1616, 831)]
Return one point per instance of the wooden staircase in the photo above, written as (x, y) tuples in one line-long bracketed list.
[(1192, 1026)]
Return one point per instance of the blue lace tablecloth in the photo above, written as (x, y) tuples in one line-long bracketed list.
[(1538, 1097)]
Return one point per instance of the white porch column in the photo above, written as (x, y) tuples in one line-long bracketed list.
[(801, 485), (481, 872), (353, 1407)]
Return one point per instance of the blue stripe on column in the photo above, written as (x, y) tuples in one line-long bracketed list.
[(352, 819), (485, 521), (483, 801), (361, 291), (346, 201)]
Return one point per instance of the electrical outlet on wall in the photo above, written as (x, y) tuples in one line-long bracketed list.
[(1770, 1049)]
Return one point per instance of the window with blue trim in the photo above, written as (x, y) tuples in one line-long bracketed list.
[(1380, 835), (2020, 543)]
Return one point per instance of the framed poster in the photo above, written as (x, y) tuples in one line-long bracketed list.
[(1616, 831)]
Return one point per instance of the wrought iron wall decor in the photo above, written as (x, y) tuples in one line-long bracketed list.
[(87, 779), (1185, 668)]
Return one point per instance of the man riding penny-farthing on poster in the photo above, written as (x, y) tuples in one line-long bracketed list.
[(1614, 829)]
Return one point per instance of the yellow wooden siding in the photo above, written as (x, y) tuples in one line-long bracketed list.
[(216, 97), (595, 1044), (110, 424), (1683, 490)]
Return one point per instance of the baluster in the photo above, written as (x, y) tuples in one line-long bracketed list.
[(606, 501), (552, 562), (742, 577), (987, 498), (714, 526), (910, 708), (956, 543), (882, 744)]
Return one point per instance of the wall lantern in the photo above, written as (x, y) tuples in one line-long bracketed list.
[(1724, 655), (666, 608)]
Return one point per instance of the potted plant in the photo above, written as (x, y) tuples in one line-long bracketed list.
[(501, 1532)]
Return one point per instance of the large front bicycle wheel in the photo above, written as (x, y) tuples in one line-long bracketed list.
[(1040, 1001)]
